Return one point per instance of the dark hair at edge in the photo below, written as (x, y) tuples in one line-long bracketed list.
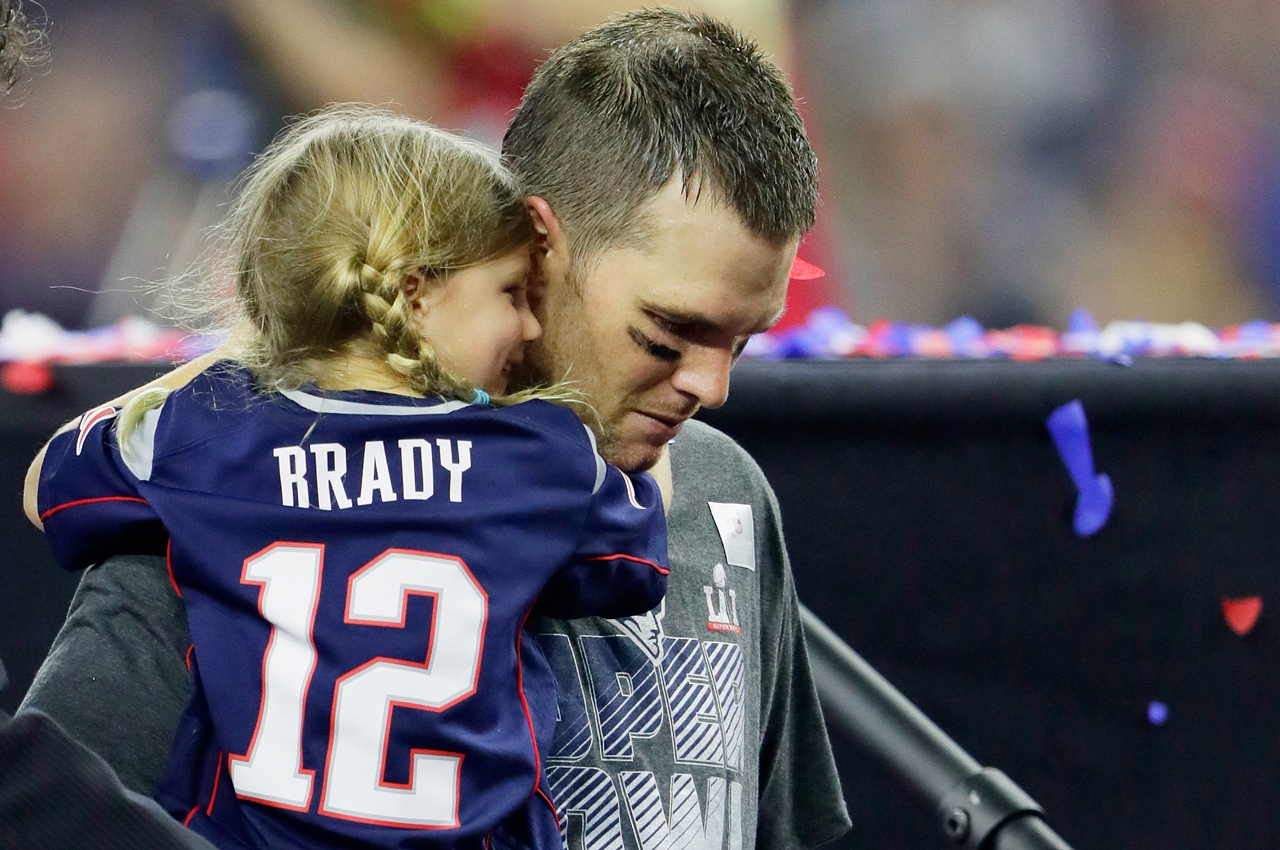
[(21, 45), (609, 117)]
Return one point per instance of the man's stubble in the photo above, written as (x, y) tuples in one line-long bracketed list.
[(565, 354)]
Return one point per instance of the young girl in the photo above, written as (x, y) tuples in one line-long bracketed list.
[(358, 519)]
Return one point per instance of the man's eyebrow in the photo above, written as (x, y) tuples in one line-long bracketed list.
[(695, 321)]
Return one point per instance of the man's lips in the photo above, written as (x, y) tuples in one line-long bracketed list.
[(665, 425)]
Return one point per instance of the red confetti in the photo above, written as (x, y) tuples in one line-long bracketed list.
[(801, 270), (1242, 614), (26, 378)]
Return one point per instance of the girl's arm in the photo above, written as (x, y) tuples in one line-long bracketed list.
[(179, 377)]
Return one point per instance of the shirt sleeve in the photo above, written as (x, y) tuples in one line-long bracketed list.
[(620, 566), (801, 804), (115, 677), (89, 497)]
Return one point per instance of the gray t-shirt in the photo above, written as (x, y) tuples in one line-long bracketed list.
[(696, 726)]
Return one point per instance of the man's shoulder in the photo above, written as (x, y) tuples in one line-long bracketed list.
[(709, 461)]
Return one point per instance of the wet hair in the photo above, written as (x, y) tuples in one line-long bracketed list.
[(21, 44), (611, 116), (330, 219)]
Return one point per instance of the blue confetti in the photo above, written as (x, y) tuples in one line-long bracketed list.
[(1070, 432), (1157, 713)]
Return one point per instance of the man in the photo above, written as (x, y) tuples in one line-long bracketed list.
[(671, 180)]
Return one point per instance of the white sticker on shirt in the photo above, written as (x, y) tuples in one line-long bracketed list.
[(737, 532)]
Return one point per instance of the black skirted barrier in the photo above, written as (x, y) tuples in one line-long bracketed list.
[(928, 517)]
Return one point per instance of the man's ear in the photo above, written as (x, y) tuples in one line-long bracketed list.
[(550, 250)]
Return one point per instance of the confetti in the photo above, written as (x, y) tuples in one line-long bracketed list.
[(26, 378), (801, 270), (830, 333), (1242, 614), (1070, 432)]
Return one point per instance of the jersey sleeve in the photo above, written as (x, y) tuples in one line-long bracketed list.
[(89, 497), (620, 566)]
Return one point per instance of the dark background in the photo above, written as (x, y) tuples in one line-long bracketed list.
[(928, 518)]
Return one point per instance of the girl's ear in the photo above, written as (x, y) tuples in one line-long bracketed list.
[(416, 288), (414, 284)]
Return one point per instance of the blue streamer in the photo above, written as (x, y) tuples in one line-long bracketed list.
[(1070, 432)]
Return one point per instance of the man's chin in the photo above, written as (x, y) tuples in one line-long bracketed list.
[(630, 451)]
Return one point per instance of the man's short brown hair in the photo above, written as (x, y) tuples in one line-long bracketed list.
[(611, 115)]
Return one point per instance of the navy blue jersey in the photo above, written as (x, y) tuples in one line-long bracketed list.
[(357, 568)]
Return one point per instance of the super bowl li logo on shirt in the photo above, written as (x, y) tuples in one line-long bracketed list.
[(737, 533), (722, 603)]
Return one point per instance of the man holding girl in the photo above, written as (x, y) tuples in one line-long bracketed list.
[(670, 180)]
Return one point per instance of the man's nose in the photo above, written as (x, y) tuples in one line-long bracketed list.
[(704, 374)]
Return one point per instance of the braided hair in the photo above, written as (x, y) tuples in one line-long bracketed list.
[(332, 217)]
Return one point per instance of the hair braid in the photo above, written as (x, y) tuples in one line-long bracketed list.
[(386, 307), (328, 222)]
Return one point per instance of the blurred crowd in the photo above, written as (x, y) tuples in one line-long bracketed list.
[(1005, 159), (1015, 159)]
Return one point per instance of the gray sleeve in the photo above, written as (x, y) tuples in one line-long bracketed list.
[(801, 804), (116, 677)]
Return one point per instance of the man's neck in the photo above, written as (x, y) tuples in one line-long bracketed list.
[(661, 472)]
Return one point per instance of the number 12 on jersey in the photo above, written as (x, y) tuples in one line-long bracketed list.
[(271, 771)]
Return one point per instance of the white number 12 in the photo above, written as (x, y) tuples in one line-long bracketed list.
[(271, 770)]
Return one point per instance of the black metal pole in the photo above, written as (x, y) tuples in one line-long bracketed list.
[(979, 808)]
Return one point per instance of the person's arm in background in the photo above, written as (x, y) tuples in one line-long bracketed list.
[(116, 677), (325, 51), (321, 51)]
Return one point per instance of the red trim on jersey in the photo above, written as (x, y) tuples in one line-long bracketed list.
[(90, 419), (528, 716), (306, 688), (44, 516), (662, 570), (404, 598), (543, 794), (382, 771), (190, 649), (168, 563), (190, 815), (217, 777), (394, 704)]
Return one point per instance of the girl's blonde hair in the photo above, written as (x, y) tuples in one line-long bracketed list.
[(328, 221), (326, 224)]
